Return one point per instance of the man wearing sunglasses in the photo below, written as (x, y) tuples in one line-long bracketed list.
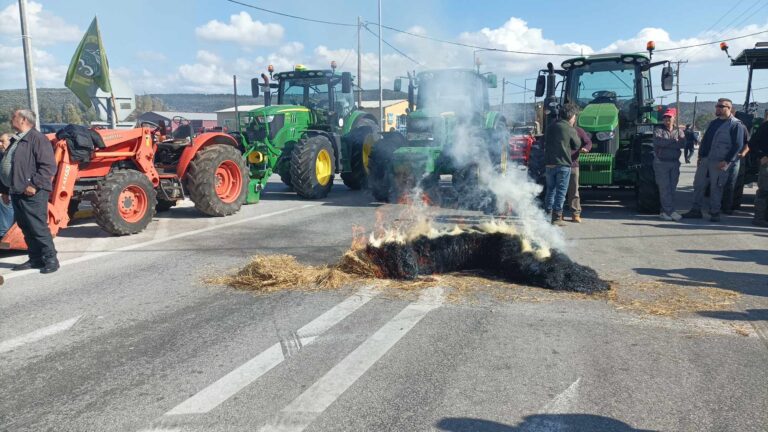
[(718, 150)]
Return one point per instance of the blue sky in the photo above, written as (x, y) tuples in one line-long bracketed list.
[(196, 46)]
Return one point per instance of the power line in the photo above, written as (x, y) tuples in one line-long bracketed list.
[(365, 26), (292, 16), (723, 92), (713, 42)]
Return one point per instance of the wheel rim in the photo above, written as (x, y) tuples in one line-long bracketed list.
[(228, 181), (367, 147), (133, 203), (503, 163), (323, 167)]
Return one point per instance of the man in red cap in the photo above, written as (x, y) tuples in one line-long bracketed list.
[(668, 143)]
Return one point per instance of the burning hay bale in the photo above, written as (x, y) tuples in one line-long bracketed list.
[(499, 251)]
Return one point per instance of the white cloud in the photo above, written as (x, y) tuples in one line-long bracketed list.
[(207, 57), (241, 29), (45, 28)]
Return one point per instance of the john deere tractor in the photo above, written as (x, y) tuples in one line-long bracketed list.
[(615, 94), (451, 131), (313, 133)]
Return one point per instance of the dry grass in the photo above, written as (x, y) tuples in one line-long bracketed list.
[(270, 273)]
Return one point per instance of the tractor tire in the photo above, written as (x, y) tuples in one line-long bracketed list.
[(380, 175), (313, 167), (646, 190), (125, 202), (217, 180), (164, 205), (284, 170), (72, 208), (361, 139)]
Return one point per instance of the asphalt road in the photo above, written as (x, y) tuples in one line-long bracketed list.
[(128, 335)]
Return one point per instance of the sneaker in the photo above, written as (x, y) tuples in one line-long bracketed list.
[(675, 216), (665, 216), (714, 217), (693, 214)]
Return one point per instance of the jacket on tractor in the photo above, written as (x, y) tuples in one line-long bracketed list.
[(130, 174), (614, 93), (450, 130), (313, 133)]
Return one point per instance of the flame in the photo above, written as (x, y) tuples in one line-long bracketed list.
[(358, 237)]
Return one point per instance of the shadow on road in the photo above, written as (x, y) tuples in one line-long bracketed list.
[(757, 256), (746, 283), (747, 315), (539, 422)]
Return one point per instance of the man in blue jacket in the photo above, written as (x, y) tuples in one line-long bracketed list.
[(26, 174), (718, 151)]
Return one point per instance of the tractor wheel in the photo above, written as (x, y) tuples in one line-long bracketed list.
[(313, 167), (361, 143), (283, 168), (217, 180), (125, 202), (646, 190), (164, 205), (466, 182), (380, 167)]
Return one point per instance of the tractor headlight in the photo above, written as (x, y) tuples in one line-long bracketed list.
[(341, 122), (604, 136)]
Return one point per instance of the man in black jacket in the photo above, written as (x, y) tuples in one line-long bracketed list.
[(759, 145), (26, 172)]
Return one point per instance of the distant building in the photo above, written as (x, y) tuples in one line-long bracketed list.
[(393, 112), (226, 117), (196, 120)]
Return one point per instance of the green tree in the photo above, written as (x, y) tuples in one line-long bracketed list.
[(71, 114)]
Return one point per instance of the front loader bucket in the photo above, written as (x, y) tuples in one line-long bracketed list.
[(13, 239), (596, 169)]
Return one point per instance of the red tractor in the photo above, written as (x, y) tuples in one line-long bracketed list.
[(140, 171)]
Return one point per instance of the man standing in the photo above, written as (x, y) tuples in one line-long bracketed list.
[(732, 175), (561, 141), (6, 209), (572, 197), (668, 142), (26, 172), (719, 148), (759, 145)]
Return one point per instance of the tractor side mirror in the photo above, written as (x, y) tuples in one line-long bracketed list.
[(492, 81), (255, 87), (398, 84), (667, 78), (541, 83), (346, 82)]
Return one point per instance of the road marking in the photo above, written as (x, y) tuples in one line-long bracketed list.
[(96, 255), (213, 395), (303, 410), (36, 335), (560, 404)]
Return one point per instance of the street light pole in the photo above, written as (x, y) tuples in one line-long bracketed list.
[(31, 90), (381, 91)]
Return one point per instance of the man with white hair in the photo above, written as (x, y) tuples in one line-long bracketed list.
[(26, 174)]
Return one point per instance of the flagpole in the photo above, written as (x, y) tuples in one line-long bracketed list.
[(31, 90)]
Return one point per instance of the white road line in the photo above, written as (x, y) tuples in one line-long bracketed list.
[(96, 255), (213, 395), (560, 404), (36, 335), (303, 410)]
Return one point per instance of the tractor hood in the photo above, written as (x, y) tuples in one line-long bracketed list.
[(601, 117), (279, 109)]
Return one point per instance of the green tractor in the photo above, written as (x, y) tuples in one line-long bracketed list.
[(451, 131), (313, 133), (615, 94)]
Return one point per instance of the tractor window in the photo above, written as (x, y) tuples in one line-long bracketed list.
[(309, 92), (455, 91), (603, 82)]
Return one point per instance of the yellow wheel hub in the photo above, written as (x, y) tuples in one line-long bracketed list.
[(503, 164), (323, 166)]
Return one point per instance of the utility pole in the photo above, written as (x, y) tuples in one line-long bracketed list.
[(237, 110), (693, 122), (31, 90), (359, 65), (503, 88), (677, 91), (381, 90)]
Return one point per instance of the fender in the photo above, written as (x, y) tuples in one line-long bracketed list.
[(351, 121), (490, 119), (200, 141)]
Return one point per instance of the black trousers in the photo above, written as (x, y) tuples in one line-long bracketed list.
[(688, 152), (31, 214)]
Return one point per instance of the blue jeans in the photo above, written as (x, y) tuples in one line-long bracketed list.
[(558, 178), (6, 217)]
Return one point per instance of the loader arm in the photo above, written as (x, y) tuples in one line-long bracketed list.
[(58, 202)]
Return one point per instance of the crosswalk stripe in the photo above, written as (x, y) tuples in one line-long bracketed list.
[(11, 344), (303, 410), (215, 394)]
